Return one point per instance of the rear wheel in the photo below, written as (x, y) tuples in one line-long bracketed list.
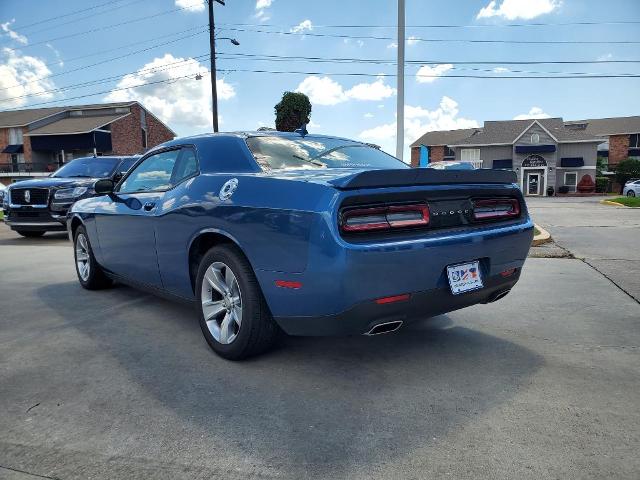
[(90, 275), (30, 233), (631, 193), (234, 316)]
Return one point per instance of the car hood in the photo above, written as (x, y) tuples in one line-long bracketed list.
[(54, 182)]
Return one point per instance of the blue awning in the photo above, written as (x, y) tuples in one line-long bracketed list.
[(535, 148), (101, 141), (13, 149), (503, 164), (572, 162)]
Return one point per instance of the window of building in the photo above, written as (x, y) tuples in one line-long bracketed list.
[(470, 154), (571, 180), (535, 138), (15, 136), (144, 137), (634, 140), (448, 152)]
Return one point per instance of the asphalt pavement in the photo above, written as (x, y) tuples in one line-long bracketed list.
[(121, 384)]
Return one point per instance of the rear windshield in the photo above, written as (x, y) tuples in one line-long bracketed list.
[(278, 153), (92, 167)]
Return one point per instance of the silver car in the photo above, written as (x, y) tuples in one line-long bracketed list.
[(632, 188)]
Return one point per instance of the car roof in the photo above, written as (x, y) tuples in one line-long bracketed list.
[(256, 133)]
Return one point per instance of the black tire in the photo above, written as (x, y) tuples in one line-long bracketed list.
[(631, 193), (96, 278), (30, 233), (258, 331)]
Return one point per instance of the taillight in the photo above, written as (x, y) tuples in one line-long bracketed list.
[(385, 218), (495, 208)]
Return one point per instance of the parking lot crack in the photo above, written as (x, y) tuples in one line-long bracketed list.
[(610, 279), (37, 475)]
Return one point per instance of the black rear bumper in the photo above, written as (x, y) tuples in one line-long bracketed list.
[(361, 318)]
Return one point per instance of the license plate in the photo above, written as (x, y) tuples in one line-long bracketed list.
[(464, 277)]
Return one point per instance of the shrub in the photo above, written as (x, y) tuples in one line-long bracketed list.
[(292, 111), (602, 184), (627, 170)]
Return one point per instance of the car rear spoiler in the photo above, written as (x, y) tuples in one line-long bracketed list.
[(422, 176)]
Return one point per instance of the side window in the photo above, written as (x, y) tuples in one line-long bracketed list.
[(186, 166), (154, 173)]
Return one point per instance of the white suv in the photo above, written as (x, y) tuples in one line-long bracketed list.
[(632, 188)]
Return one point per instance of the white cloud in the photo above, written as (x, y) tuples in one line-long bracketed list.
[(392, 45), (535, 112), (56, 53), (429, 73), (412, 40), (22, 75), (514, 9), (326, 91), (6, 28), (322, 90), (313, 125), (302, 26), (185, 101), (368, 115), (261, 10), (191, 5), (418, 121)]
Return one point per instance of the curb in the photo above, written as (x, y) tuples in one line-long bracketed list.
[(615, 204), (543, 237)]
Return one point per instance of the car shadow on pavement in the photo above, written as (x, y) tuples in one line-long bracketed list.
[(8, 237), (313, 406)]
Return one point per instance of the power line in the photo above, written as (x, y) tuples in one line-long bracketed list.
[(538, 24), (169, 80), (441, 40), (103, 61), (160, 68), (77, 19), (358, 74), (21, 27), (338, 60), (105, 27)]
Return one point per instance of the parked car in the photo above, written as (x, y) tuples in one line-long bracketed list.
[(311, 235), (33, 207), (3, 191), (631, 188), (451, 165)]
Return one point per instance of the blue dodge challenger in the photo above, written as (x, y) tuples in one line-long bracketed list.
[(307, 234)]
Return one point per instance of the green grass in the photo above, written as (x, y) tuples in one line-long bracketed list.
[(1, 215), (627, 201)]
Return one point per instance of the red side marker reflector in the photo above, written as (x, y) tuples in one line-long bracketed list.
[(288, 284), (508, 273), (395, 298)]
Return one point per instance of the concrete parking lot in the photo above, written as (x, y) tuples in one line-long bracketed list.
[(120, 384)]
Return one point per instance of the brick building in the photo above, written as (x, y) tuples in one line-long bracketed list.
[(544, 153), (35, 142)]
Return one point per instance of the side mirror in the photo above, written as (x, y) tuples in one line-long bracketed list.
[(104, 186)]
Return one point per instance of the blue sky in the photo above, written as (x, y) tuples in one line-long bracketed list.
[(35, 61)]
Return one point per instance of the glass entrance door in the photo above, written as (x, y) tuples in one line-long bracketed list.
[(533, 184)]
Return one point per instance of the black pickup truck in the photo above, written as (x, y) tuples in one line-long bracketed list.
[(33, 207)]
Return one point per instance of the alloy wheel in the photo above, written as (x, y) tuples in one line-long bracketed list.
[(221, 303), (82, 257)]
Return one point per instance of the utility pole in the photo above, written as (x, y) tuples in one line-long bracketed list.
[(212, 49), (400, 77)]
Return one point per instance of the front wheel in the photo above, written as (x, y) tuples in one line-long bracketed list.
[(30, 233), (234, 316), (631, 193), (90, 275)]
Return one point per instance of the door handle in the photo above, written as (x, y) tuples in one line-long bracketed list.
[(149, 206)]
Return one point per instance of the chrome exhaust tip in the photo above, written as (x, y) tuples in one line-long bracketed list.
[(499, 295), (386, 327)]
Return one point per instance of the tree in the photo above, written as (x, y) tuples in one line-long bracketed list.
[(627, 170), (292, 111)]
